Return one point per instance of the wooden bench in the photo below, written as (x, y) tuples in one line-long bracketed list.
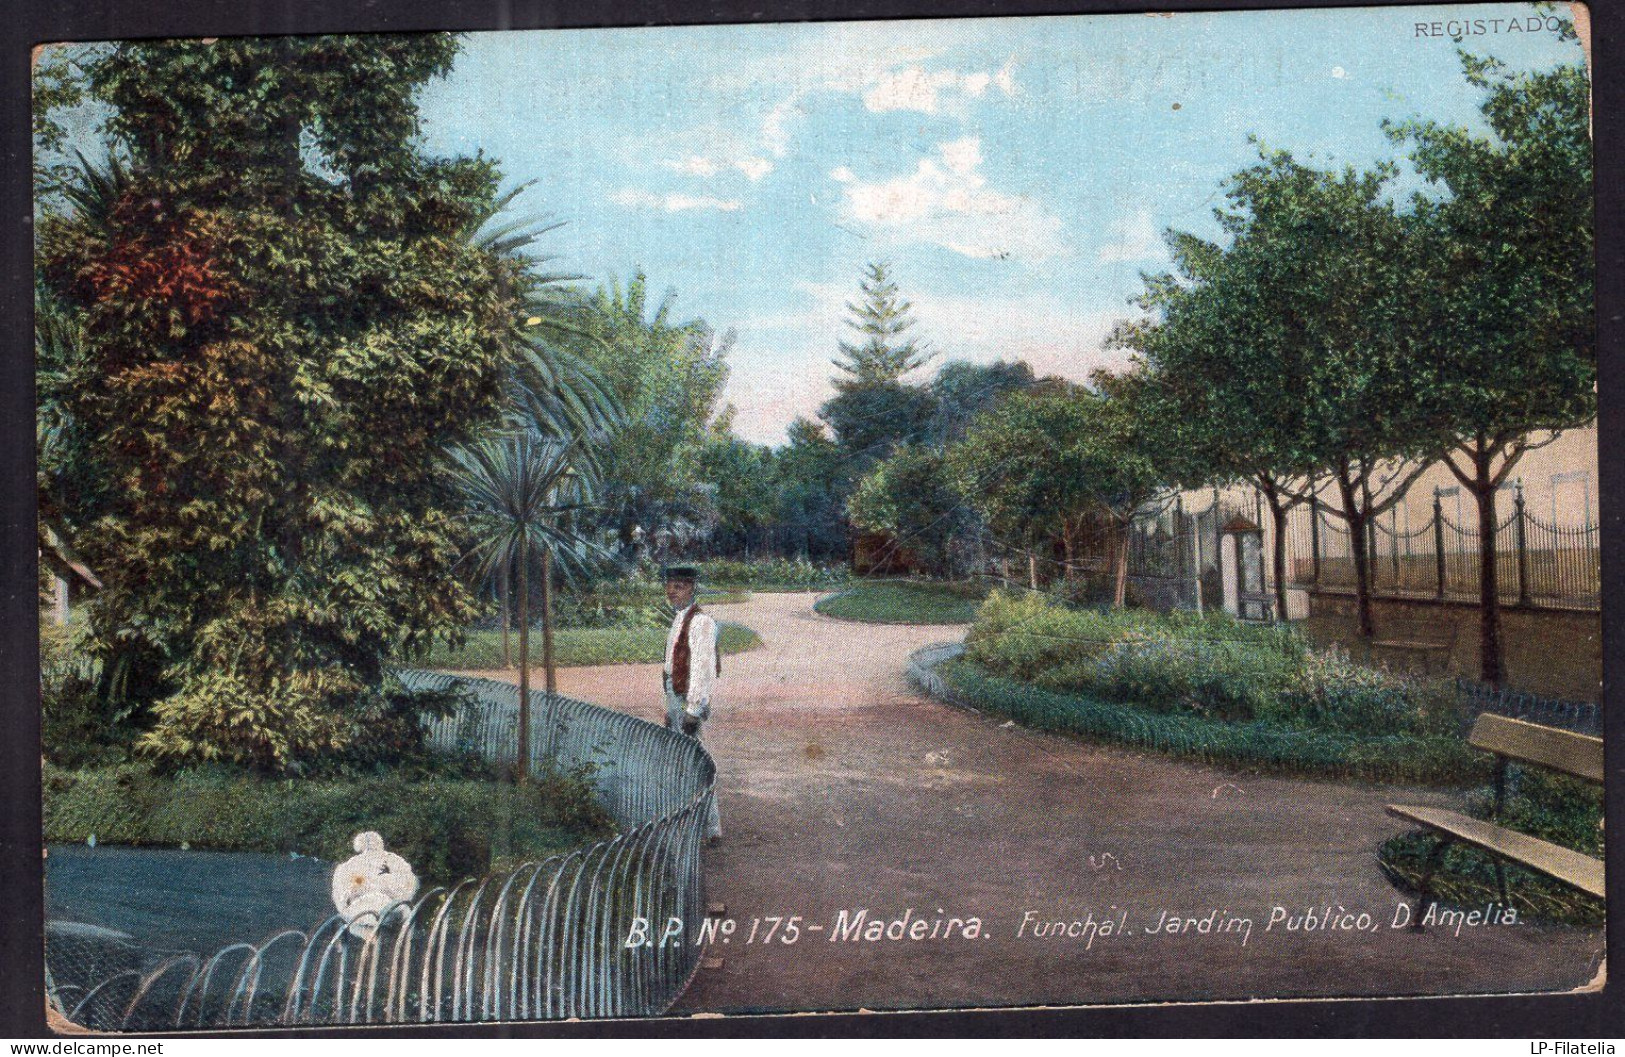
[(1513, 741)]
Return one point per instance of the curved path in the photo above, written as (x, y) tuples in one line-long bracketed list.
[(842, 789)]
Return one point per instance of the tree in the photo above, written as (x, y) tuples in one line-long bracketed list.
[(1326, 273), (1041, 464), (881, 317), (1509, 303), (550, 389), (522, 495), (870, 420), (809, 478), (741, 477), (911, 498), (964, 390), (282, 325), (1219, 372), (668, 379)]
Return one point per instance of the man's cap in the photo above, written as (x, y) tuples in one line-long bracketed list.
[(682, 573)]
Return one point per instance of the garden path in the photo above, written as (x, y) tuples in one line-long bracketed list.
[(842, 788)]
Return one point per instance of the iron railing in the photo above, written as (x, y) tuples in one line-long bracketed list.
[(1537, 564), (606, 930)]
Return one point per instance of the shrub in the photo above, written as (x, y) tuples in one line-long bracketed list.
[(1204, 666), (446, 827), (77, 728), (792, 574), (1264, 745)]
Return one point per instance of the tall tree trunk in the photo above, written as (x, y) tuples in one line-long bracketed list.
[(503, 576), (1066, 551), (1278, 546), (1120, 587), (1032, 569), (522, 772), (547, 624), (1489, 576), (1355, 519)]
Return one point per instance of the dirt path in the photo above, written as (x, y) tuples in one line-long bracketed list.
[(841, 790)]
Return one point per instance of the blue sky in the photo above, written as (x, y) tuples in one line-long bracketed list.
[(1016, 172)]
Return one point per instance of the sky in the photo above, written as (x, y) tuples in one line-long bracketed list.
[(1017, 173)]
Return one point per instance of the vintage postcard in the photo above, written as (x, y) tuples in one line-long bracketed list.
[(1077, 510)]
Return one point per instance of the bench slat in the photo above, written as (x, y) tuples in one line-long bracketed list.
[(1563, 864), (1560, 750)]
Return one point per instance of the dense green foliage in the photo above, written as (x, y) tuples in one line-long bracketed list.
[(771, 574), (281, 322), (903, 602), (1262, 745), (1207, 666), (911, 498), (667, 376), (576, 647), (1050, 463), (448, 826), (76, 729), (1552, 807)]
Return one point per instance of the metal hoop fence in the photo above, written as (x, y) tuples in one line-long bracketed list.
[(604, 931)]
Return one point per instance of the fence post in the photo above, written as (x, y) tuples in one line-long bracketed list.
[(1314, 539), (1399, 579), (1438, 538), (1521, 538), (1218, 533)]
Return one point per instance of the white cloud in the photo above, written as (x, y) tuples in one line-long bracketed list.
[(672, 203), (842, 175), (927, 91), (963, 155), (707, 166), (753, 168), (693, 165), (1136, 239), (1339, 73), (946, 201)]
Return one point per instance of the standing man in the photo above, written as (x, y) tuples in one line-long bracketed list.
[(692, 665)]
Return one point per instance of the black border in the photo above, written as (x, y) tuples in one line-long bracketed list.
[(1578, 1016)]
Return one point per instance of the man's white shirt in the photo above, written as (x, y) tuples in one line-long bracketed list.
[(702, 659)]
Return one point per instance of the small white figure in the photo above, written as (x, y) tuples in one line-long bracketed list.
[(366, 884)]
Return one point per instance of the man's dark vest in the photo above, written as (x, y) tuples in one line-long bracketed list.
[(682, 655)]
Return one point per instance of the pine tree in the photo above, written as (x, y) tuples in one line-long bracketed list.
[(884, 355)]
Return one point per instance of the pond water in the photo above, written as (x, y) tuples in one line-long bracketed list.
[(200, 901)]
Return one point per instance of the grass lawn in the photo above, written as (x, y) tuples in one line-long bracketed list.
[(902, 602), (577, 647), (447, 826)]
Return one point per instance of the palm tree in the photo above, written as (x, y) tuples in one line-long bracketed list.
[(522, 493), (551, 389)]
